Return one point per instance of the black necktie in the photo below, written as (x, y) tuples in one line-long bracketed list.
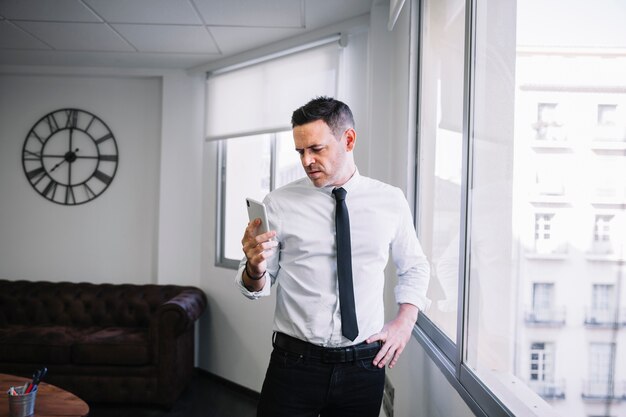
[(349, 327)]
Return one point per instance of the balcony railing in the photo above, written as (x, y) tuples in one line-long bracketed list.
[(605, 318), (604, 391), (554, 317), (549, 390)]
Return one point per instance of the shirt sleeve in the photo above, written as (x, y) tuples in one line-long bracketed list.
[(253, 295), (412, 266)]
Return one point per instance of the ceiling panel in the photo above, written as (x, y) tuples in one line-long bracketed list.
[(47, 10), (234, 40), (155, 33), (168, 38), (77, 36), (171, 12), (255, 13), (12, 37), (103, 59)]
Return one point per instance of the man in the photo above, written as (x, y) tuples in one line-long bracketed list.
[(331, 344)]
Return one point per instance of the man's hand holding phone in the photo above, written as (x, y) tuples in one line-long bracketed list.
[(258, 245)]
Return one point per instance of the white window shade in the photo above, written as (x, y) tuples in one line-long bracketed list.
[(261, 98)]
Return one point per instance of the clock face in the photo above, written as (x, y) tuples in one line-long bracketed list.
[(70, 156)]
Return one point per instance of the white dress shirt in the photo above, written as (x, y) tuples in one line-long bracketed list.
[(304, 266)]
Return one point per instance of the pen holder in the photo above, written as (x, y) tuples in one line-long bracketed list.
[(22, 405)]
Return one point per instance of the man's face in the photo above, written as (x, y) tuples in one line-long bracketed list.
[(326, 160)]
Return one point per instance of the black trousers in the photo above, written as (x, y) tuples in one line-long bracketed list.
[(307, 382)]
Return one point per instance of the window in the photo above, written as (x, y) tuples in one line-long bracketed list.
[(529, 180), (602, 234), (543, 227), (546, 241), (542, 371), (549, 182), (601, 369), (440, 159), (543, 309), (548, 125), (602, 230), (608, 187), (541, 362), (608, 125), (251, 166), (607, 114), (603, 310), (249, 109)]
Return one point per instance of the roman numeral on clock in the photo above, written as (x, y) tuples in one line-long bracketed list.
[(72, 118), (52, 123), (103, 177)]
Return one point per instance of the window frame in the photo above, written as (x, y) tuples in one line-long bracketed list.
[(221, 260), (447, 355)]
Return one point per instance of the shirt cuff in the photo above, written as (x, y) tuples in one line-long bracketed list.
[(253, 295), (419, 301)]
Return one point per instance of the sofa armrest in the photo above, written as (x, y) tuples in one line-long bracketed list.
[(172, 330), (180, 312)]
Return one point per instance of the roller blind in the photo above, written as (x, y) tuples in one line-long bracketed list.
[(260, 98)]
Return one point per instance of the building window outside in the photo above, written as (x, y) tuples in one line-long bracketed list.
[(609, 170), (603, 308), (600, 384), (548, 124), (549, 182), (543, 309), (544, 233), (607, 114), (541, 362), (542, 377), (608, 125), (602, 234)]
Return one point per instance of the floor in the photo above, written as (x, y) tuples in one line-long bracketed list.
[(207, 396)]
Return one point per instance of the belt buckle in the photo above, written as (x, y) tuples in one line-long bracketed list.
[(340, 355)]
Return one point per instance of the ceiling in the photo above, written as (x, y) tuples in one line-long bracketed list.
[(155, 33)]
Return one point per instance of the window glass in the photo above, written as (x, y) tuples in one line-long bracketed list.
[(601, 381), (248, 110), (440, 153), (547, 204), (288, 166), (251, 166), (245, 173)]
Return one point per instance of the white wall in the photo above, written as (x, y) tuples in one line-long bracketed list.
[(181, 177), (128, 233), (111, 238)]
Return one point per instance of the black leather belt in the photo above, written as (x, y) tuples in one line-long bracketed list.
[(326, 355)]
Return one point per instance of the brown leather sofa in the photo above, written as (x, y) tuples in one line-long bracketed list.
[(118, 343)]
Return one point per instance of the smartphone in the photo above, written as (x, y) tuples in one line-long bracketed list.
[(257, 210)]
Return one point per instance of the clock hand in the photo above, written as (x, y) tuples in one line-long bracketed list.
[(69, 157)]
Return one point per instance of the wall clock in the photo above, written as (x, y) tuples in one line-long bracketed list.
[(70, 156)]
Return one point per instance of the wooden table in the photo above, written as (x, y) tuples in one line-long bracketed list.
[(51, 401)]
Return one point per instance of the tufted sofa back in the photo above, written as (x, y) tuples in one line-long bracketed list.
[(81, 304)]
